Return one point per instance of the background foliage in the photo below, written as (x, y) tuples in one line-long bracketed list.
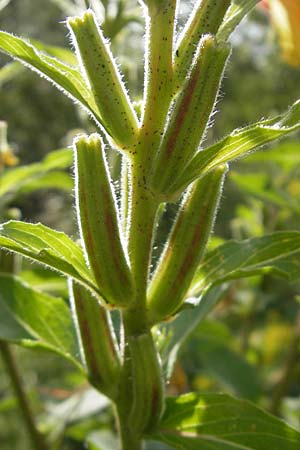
[(249, 346)]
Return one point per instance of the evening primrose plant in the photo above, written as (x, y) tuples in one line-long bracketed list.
[(164, 160)]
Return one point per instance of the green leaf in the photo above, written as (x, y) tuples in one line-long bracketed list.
[(238, 10), (34, 319), (277, 253), (258, 185), (45, 280), (65, 77), (172, 335), (51, 180), (286, 154), (62, 53), (13, 181), (239, 143), (48, 247), (221, 362), (220, 422)]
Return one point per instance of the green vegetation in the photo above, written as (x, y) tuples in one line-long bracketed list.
[(111, 302)]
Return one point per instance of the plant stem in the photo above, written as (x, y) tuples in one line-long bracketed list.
[(128, 440), (37, 439)]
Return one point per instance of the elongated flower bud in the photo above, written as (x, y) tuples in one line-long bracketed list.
[(98, 222), (97, 339), (105, 81), (206, 18), (148, 394), (185, 246), (191, 113)]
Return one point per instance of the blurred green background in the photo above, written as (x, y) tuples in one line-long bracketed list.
[(249, 346)]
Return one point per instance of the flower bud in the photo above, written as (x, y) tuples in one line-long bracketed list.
[(103, 76), (98, 222), (185, 246), (190, 115), (205, 18), (97, 340)]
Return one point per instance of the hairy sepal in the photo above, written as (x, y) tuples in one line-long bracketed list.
[(185, 246), (206, 18), (101, 71), (98, 221), (96, 336), (191, 113)]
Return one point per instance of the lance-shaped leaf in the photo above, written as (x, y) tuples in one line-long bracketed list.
[(238, 144), (97, 338), (64, 76), (98, 221), (238, 10), (34, 319), (185, 247), (102, 74), (191, 113), (221, 422), (48, 247), (205, 18), (277, 253)]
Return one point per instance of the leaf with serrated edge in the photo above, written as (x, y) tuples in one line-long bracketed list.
[(237, 144), (48, 247)]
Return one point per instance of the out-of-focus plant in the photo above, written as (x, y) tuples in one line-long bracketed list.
[(128, 320), (285, 17)]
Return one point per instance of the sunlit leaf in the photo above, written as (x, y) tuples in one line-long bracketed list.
[(45, 280), (220, 422), (238, 10), (51, 180), (66, 77), (277, 253), (48, 247), (34, 319), (239, 143)]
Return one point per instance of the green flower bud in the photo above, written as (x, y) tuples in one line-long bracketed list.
[(96, 335), (190, 115), (98, 222), (206, 18), (185, 246), (103, 76)]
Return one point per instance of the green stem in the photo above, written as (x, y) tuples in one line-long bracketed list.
[(37, 439), (143, 213), (128, 439)]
